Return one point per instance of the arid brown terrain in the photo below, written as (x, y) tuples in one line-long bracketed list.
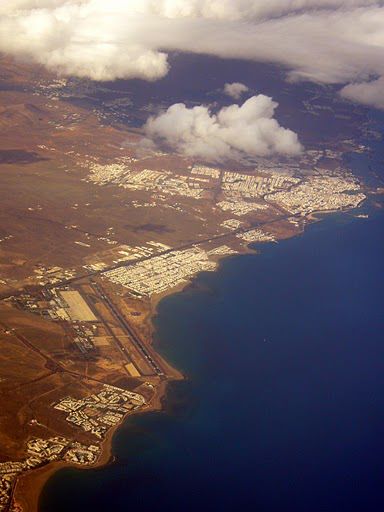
[(93, 233)]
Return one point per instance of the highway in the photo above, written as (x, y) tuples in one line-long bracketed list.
[(127, 263)]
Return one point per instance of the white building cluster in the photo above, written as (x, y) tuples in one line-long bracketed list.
[(222, 250), (206, 171), (317, 192), (249, 186), (104, 174), (320, 193), (256, 235), (145, 180), (5, 238), (40, 452), (239, 207), (45, 275), (163, 272), (231, 224), (99, 412), (199, 179), (81, 454), (126, 253)]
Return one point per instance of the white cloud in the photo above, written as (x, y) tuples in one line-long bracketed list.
[(235, 132), (328, 41), (235, 90), (368, 93), (82, 38)]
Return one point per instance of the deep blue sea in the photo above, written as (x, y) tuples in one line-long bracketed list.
[(283, 409)]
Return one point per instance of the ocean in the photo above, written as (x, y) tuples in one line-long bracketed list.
[(283, 406), (283, 409)]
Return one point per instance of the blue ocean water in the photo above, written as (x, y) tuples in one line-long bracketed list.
[(283, 409), (283, 406)]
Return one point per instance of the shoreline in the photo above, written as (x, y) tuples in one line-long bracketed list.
[(29, 486), (104, 145)]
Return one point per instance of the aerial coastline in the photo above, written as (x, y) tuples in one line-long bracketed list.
[(28, 486), (78, 301), (191, 253)]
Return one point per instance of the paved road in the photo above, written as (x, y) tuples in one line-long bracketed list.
[(127, 263)]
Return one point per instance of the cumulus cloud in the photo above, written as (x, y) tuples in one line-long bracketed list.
[(326, 41), (235, 90), (235, 132)]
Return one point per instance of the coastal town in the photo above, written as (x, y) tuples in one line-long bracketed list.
[(95, 414), (96, 236), (97, 323), (191, 248), (100, 411), (320, 193), (242, 193), (41, 452), (161, 273), (98, 306)]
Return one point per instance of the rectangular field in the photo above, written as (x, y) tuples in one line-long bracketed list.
[(78, 309)]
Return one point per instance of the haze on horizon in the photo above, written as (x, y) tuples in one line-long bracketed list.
[(343, 40), (339, 42)]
